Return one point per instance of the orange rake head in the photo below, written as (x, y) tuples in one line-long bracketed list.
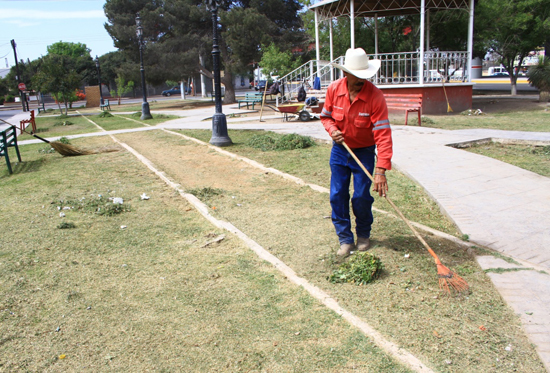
[(448, 280)]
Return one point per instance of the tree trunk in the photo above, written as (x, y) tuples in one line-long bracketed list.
[(58, 103), (227, 80), (514, 90), (514, 87)]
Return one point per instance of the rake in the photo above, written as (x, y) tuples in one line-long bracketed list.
[(65, 150), (448, 280)]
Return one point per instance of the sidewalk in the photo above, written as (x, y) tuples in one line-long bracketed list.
[(497, 205)]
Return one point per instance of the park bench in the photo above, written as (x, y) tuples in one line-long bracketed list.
[(250, 98), (407, 102), (105, 106), (25, 122), (8, 138), (41, 107)]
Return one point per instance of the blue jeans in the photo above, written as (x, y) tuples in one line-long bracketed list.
[(342, 166)]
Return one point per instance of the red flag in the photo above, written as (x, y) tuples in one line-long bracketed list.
[(407, 30)]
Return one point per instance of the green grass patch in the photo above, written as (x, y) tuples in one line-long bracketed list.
[(496, 254), (504, 270), (53, 127), (529, 157), (532, 120)]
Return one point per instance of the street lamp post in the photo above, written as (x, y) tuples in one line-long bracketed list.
[(145, 112), (219, 122), (99, 80)]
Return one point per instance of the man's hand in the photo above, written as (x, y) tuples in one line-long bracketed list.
[(337, 136), (380, 182)]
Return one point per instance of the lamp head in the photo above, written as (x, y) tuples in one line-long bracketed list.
[(139, 30)]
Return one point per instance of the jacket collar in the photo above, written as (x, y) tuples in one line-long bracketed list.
[(342, 89)]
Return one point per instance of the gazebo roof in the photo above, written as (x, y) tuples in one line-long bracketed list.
[(382, 8)]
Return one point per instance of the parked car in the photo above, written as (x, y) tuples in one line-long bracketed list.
[(261, 85), (172, 91), (501, 74)]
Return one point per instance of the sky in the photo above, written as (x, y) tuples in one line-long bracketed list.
[(36, 24)]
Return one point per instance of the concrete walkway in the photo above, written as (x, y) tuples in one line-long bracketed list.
[(497, 205)]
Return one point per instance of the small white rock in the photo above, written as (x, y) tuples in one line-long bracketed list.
[(144, 196), (118, 200), (61, 215), (407, 256), (123, 227)]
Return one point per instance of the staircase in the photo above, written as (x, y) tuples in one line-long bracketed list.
[(305, 75)]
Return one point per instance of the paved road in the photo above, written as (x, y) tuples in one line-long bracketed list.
[(503, 84)]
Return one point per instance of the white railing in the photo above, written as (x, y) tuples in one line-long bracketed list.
[(396, 68)]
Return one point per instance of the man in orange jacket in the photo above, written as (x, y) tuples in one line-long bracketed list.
[(355, 111)]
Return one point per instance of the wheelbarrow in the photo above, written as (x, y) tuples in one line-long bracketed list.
[(293, 111)]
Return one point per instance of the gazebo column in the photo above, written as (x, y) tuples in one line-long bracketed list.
[(331, 50), (428, 30), (376, 35), (317, 48), (422, 31), (470, 40), (352, 22)]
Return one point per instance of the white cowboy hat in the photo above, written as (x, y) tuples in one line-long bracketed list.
[(357, 63)]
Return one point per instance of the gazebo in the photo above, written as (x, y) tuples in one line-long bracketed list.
[(433, 73)]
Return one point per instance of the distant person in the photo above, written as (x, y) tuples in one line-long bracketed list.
[(355, 111)]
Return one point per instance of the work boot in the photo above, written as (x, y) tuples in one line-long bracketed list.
[(363, 244), (345, 249)]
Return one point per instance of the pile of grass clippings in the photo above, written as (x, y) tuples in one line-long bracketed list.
[(99, 205), (290, 141), (362, 268), (66, 225), (64, 123), (205, 193), (105, 114)]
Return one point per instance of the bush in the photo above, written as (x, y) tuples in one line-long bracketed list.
[(10, 98), (80, 94)]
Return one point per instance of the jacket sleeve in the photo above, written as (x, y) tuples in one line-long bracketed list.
[(382, 132), (326, 114)]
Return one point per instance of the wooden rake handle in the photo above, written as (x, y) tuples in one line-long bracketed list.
[(437, 261)]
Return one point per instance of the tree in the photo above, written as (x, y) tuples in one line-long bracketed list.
[(277, 63), (122, 87), (178, 35), (512, 29), (57, 76), (539, 76)]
